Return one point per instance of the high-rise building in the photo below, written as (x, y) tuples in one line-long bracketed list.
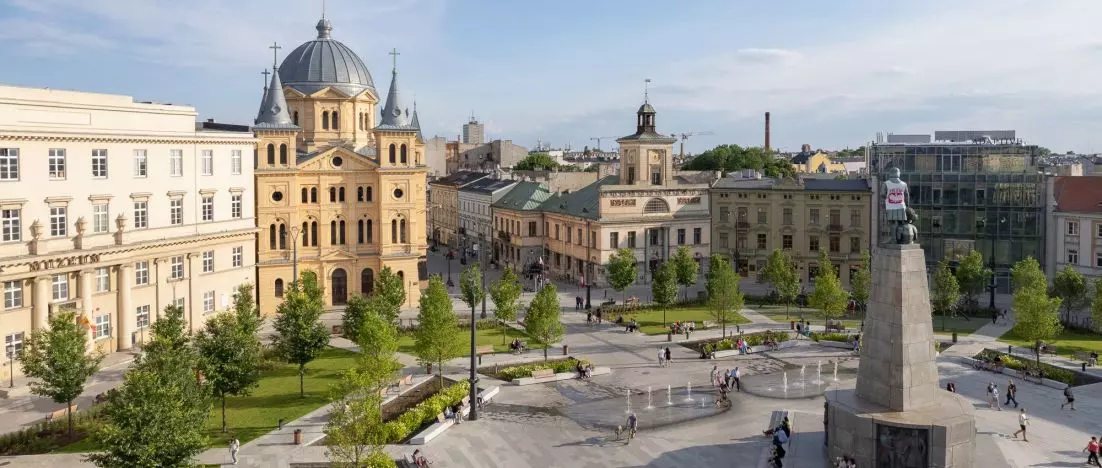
[(474, 133), (972, 191)]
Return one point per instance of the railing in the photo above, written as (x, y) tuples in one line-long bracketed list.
[(742, 225)]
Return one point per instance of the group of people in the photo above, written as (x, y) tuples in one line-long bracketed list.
[(678, 328), (584, 371), (455, 412), (729, 378), (845, 461), (517, 346), (665, 358), (590, 317), (631, 326), (780, 434)]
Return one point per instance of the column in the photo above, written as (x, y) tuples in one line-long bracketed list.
[(125, 307), (84, 288), (41, 313)]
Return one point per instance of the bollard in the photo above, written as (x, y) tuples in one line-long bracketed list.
[(1009, 349), (792, 325), (280, 423), (298, 436), (1084, 367), (564, 349), (954, 337), (669, 336)]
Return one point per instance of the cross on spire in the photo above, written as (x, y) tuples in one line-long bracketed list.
[(275, 54), (394, 56), (322, 9), (265, 73), (646, 90)]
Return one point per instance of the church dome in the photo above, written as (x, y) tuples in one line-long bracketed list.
[(325, 62)]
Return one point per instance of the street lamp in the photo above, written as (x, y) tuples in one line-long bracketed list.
[(11, 365), (474, 356), (994, 241), (294, 255), (588, 278)]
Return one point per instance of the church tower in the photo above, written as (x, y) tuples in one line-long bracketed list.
[(275, 131), (646, 157)]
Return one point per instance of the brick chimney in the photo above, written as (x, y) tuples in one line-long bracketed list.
[(767, 147)]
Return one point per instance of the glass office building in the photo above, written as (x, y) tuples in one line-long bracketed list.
[(970, 192)]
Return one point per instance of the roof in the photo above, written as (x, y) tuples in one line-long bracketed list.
[(524, 196), (583, 203), (459, 179), (394, 117), (487, 185), (695, 177), (273, 108), (837, 185), (325, 63), (1081, 194), (745, 183), (645, 130), (801, 157)]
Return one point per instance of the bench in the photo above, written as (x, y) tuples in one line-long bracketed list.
[(442, 423), (1051, 350), (408, 461), (835, 325), (538, 374), (483, 349), (775, 420), (1082, 356), (548, 375), (59, 414), (710, 324)]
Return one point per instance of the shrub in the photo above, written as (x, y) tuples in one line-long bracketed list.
[(425, 412), (829, 336), (1047, 371), (516, 372), (757, 339)]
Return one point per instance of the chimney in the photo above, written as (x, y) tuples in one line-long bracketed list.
[(767, 131), (210, 120)]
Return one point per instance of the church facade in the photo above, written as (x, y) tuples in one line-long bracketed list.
[(340, 187)]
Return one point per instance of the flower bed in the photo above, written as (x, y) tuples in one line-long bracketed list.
[(724, 344), (1047, 371), (508, 374), (830, 336), (424, 413), (45, 437)]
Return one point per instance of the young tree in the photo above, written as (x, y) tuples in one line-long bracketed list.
[(378, 341), (156, 418), (1036, 314), (300, 336), (244, 306), (946, 291), (355, 434), (437, 337), (390, 289), (829, 297), (621, 270), (543, 320), (229, 352), (685, 268), (1027, 274), (470, 285), (861, 280), (663, 287), (724, 297), (505, 292), (1070, 286), (972, 275), (57, 362), (355, 313), (781, 273)]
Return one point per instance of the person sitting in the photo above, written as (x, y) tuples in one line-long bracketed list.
[(785, 426), (721, 396), (449, 413), (1093, 360), (587, 372), (619, 319), (419, 460), (952, 387)]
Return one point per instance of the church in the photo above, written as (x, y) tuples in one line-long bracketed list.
[(340, 188)]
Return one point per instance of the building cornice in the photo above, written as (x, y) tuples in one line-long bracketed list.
[(135, 139)]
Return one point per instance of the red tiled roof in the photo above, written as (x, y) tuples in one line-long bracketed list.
[(1081, 194)]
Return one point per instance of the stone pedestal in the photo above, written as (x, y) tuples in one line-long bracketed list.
[(895, 416)]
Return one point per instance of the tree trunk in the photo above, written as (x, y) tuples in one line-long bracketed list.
[(223, 413), (440, 373), (301, 376), (70, 413), (544, 352), (723, 334)]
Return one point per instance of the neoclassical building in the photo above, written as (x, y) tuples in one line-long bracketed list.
[(340, 188)]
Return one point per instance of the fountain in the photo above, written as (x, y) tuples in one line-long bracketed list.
[(819, 373), (669, 396), (629, 402), (649, 405), (689, 391), (835, 370), (802, 368), (785, 384)]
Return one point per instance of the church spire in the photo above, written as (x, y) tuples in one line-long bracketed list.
[(273, 108), (393, 116)]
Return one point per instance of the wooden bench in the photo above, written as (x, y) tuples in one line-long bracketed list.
[(539, 374), (59, 413), (710, 324), (835, 325), (483, 349), (1081, 356), (1050, 350)]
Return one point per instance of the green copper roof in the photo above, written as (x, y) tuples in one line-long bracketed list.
[(524, 196), (583, 203)]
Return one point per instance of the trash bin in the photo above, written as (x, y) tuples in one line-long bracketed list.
[(954, 337), (669, 336), (298, 436), (565, 348), (792, 325)]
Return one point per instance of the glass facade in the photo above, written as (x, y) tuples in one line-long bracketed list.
[(971, 196)]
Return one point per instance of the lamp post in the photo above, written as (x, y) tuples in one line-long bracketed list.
[(11, 365), (474, 374), (994, 241), (482, 274), (294, 252), (588, 278)]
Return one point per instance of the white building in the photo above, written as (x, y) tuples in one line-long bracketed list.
[(475, 222), (1074, 225), (116, 209)]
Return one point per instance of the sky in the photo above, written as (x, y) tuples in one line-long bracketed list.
[(831, 73)]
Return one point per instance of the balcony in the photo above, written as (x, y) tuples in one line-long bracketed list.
[(403, 250), (834, 227), (742, 225)]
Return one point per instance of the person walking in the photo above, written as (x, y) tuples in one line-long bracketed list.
[(235, 445), (1092, 451), (715, 375), (669, 357), (1069, 399), (1023, 421), (1011, 393), (736, 375), (661, 357), (993, 396)]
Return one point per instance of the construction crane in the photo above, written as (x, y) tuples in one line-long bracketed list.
[(685, 136), (598, 140)]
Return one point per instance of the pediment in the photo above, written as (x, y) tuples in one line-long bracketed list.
[(329, 93), (338, 159), (337, 255), (292, 92)]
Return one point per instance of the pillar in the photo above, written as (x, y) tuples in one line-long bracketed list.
[(84, 288), (125, 306), (41, 314)]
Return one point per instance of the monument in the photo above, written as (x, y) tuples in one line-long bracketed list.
[(895, 415)]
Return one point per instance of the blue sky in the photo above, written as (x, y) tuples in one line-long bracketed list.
[(833, 73)]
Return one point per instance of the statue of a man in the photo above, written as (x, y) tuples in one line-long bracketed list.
[(896, 197)]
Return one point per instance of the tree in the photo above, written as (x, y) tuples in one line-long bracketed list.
[(57, 361), (470, 286), (729, 158), (860, 281), (724, 297), (536, 162), (543, 322), (781, 273), (1096, 304), (1027, 274), (1036, 314), (946, 291), (378, 341), (392, 292), (1071, 288), (664, 287), (156, 418), (229, 352), (300, 336), (355, 313), (355, 434), (828, 296), (505, 292), (437, 337), (621, 270), (972, 275), (685, 268)]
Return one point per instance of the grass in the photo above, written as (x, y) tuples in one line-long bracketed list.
[(650, 321), (483, 336), (777, 314), (1067, 342), (959, 324)]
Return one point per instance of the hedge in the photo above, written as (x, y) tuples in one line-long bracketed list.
[(44, 437), (751, 339), (515, 372), (1048, 371), (425, 412), (828, 336)]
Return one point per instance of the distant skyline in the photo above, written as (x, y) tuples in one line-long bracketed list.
[(832, 74)]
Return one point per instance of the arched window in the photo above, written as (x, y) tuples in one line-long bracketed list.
[(313, 194), (271, 154), (359, 194), (370, 232), (367, 281), (360, 231), (336, 123), (656, 205), (282, 236), (305, 234), (305, 198), (283, 153), (313, 234), (340, 194), (369, 193), (332, 194), (404, 153), (279, 287), (402, 276), (272, 237), (333, 232), (325, 120), (295, 117), (394, 231), (392, 151), (402, 228), (342, 231)]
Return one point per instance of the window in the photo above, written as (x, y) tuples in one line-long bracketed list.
[(1098, 259), (1073, 228), (283, 154), (697, 236), (787, 216), (656, 205), (631, 176), (235, 162), (762, 241), (141, 273), (569, 235), (99, 163), (313, 194), (556, 232), (740, 241), (208, 208), (813, 243), (59, 225), (13, 295), (279, 287), (208, 302), (359, 194), (854, 244), (103, 327), (854, 217), (10, 225), (578, 238), (763, 217), (369, 194), (13, 345), (103, 280), (9, 164), (815, 216), (142, 317), (631, 239), (332, 194), (235, 206), (786, 242), (141, 164), (208, 162), (141, 215), (60, 288), (176, 267), (1099, 231), (340, 194), (656, 176), (238, 256), (57, 164), (176, 211), (680, 237), (208, 261), (271, 154), (176, 163), (724, 240), (1073, 256), (724, 214), (836, 218), (178, 302), (531, 228), (99, 218), (835, 244), (613, 240)]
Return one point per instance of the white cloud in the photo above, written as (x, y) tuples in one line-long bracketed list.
[(767, 56)]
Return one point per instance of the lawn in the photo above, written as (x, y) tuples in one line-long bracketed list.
[(483, 336), (650, 321), (1067, 342), (777, 313)]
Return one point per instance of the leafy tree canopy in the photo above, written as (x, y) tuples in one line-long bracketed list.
[(536, 162), (729, 158)]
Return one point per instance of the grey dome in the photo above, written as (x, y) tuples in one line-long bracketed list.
[(325, 62)]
